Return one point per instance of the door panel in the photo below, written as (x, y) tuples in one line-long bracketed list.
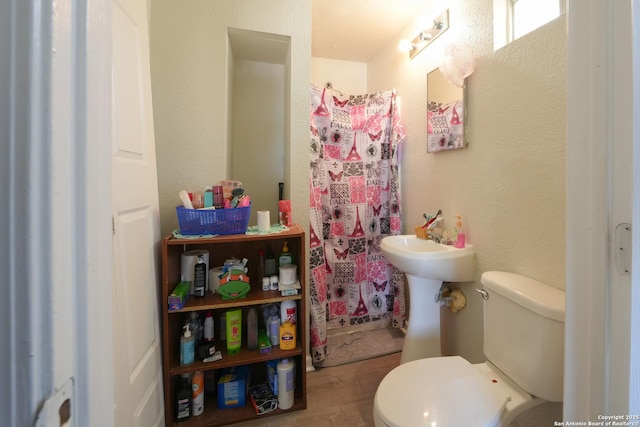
[(137, 349)]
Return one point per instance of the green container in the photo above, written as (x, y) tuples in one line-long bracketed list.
[(234, 331)]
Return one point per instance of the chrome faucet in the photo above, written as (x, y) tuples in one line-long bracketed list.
[(433, 235)]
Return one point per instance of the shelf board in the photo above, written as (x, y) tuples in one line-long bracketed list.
[(294, 231), (214, 301), (245, 357), (214, 416)]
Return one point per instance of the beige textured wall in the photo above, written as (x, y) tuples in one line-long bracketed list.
[(192, 72), (509, 183), (348, 77)]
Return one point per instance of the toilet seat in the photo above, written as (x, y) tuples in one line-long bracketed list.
[(438, 391)]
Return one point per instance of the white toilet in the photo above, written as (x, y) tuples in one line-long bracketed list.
[(524, 345)]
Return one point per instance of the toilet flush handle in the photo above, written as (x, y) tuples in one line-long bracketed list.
[(484, 294)]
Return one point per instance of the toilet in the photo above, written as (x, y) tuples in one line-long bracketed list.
[(524, 347)]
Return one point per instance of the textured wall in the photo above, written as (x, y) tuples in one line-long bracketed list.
[(509, 183), (191, 71), (346, 76)]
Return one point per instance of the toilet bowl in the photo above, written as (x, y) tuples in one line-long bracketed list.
[(524, 345)]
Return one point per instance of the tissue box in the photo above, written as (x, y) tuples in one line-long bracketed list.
[(233, 386), (179, 296)]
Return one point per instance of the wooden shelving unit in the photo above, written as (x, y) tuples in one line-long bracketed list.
[(221, 248)]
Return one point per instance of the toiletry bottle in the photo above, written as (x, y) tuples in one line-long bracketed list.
[(252, 329), (183, 401), (274, 330), (260, 264), (200, 277), (285, 256), (288, 311), (284, 212), (269, 265), (459, 240), (286, 383), (234, 331), (209, 330), (223, 326), (198, 199), (195, 326), (273, 283), (187, 347), (208, 198), (287, 336)]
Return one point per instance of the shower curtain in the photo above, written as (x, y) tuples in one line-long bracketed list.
[(355, 203)]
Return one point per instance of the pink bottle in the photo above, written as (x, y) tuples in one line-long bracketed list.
[(459, 241)]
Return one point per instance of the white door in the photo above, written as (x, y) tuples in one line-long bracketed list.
[(136, 239)]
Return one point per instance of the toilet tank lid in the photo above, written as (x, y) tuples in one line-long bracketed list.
[(530, 293)]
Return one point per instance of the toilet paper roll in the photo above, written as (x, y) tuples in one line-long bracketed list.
[(264, 221), (288, 274), (214, 278), (188, 260)]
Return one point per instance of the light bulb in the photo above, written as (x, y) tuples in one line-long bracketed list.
[(405, 45)]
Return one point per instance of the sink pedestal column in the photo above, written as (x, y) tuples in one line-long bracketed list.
[(423, 331)]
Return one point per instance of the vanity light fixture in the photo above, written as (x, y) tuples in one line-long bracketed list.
[(422, 40)]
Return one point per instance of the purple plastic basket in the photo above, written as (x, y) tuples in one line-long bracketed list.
[(213, 221)]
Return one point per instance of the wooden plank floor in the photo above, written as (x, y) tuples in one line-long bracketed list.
[(340, 396)]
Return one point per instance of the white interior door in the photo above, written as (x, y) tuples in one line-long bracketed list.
[(136, 239)]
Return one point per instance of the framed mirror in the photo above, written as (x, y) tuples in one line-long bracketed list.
[(446, 118)]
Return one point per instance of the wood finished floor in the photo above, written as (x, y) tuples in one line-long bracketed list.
[(340, 396)]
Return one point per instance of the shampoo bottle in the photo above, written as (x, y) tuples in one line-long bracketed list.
[(234, 331), (187, 347), (459, 240)]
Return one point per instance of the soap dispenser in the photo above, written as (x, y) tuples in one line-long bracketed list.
[(459, 240), (187, 347), (286, 257)]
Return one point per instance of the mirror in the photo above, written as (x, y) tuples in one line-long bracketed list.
[(446, 108)]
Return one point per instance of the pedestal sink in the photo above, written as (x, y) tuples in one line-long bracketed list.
[(426, 264)]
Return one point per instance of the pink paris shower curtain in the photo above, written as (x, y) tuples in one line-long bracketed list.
[(355, 191)]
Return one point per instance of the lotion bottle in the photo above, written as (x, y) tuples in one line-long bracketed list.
[(286, 383)]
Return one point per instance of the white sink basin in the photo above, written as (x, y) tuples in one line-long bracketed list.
[(428, 259), (426, 264)]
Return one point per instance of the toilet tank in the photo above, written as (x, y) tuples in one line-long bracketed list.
[(524, 332)]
